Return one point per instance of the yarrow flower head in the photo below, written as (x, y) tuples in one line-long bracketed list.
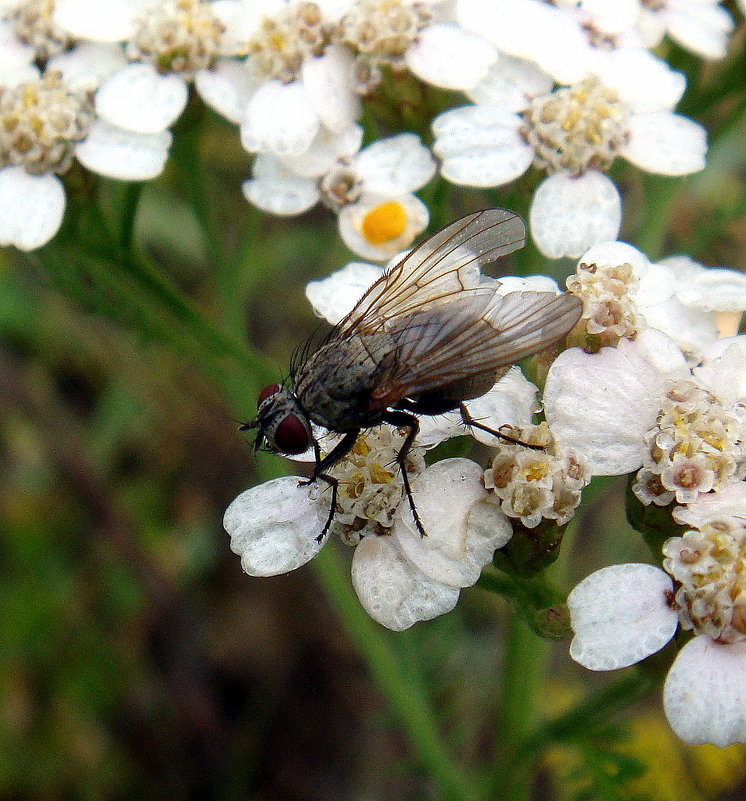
[(33, 25), (293, 84), (696, 446), (534, 479), (623, 613), (414, 35), (371, 189), (45, 121), (399, 575), (574, 133)]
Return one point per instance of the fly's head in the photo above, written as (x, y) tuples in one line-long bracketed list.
[(282, 423)]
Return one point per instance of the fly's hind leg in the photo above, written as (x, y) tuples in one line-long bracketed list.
[(409, 421), (470, 422), (341, 449)]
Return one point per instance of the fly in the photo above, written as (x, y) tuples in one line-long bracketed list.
[(424, 338)]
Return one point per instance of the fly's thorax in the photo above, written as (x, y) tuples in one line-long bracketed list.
[(336, 382), (282, 422)]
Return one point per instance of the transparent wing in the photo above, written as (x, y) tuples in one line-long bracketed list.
[(476, 332), (436, 270)]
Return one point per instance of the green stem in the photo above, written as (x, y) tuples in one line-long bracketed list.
[(523, 674), (406, 700)]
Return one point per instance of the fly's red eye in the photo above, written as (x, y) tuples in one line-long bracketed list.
[(266, 392), (291, 436)]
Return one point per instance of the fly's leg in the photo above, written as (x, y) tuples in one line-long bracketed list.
[(340, 450), (472, 423), (409, 421)]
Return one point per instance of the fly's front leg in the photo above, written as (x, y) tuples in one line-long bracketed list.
[(469, 421), (409, 421), (340, 450)]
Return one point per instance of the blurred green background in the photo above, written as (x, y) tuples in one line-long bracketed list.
[(136, 659)]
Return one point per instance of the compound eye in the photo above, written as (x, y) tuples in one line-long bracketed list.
[(291, 436), (266, 392)]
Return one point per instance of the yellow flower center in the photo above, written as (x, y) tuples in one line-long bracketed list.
[(384, 223)]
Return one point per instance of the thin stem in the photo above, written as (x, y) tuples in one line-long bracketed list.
[(523, 674), (406, 700)]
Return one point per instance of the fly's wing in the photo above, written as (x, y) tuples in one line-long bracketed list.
[(436, 270), (476, 332)]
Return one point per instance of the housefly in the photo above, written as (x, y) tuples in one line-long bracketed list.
[(424, 338)]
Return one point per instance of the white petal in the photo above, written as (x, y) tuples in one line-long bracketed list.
[(395, 165), (452, 552), (511, 83), (14, 55), (324, 151), (691, 329), (641, 79), (620, 615), (88, 64), (729, 500), (279, 119), (616, 253), (602, 404), (724, 375), (333, 297), (702, 28), (112, 21), (351, 222), (665, 143), (708, 288), (480, 146), (31, 208), (329, 83), (138, 98), (124, 155), (392, 590), (532, 30), (570, 214), (512, 401), (273, 527), (704, 696), (446, 55), (275, 189), (227, 88)]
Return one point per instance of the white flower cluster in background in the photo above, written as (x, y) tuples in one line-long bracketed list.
[(563, 86)]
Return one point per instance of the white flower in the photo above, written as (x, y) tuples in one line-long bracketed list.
[(372, 189), (543, 482), (422, 36), (604, 404), (639, 405), (400, 576), (701, 26), (623, 613), (574, 133), (44, 124), (622, 292), (295, 82), (167, 43)]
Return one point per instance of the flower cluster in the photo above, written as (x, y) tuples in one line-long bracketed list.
[(562, 86), (649, 382)]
